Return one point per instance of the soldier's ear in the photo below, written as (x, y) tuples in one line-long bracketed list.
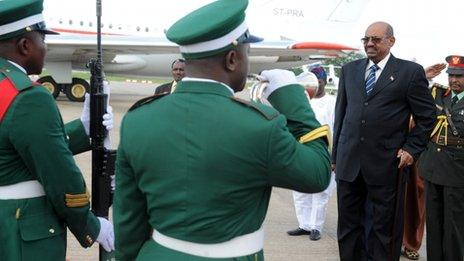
[(24, 45), (231, 60)]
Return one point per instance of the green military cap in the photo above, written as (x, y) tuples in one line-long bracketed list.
[(455, 65), (212, 29), (21, 16)]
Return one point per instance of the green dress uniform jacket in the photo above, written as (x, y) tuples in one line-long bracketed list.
[(442, 167), (35, 145), (198, 165)]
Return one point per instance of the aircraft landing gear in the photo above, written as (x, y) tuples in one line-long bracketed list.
[(74, 91), (50, 85), (77, 89)]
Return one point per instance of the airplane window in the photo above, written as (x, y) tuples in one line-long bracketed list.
[(70, 22), (61, 21), (138, 28), (90, 24), (146, 29), (102, 25), (81, 23), (119, 27), (110, 26)]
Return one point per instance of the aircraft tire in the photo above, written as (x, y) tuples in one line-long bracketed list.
[(49, 83), (77, 89)]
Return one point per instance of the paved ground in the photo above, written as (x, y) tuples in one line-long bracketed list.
[(281, 213)]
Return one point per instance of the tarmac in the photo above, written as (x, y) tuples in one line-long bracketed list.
[(281, 213)]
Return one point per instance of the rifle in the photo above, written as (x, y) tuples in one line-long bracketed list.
[(103, 159)]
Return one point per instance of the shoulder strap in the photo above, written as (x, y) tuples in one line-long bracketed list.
[(7, 94), (147, 100), (268, 112), (10, 86)]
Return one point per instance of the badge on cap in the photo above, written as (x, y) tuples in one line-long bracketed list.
[(455, 65)]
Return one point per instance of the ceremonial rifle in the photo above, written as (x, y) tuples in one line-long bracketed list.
[(103, 159)]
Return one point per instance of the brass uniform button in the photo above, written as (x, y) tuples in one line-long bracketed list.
[(438, 149), (51, 230), (89, 239)]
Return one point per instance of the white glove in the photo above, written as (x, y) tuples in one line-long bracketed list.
[(106, 235), (85, 115), (107, 117), (277, 78)]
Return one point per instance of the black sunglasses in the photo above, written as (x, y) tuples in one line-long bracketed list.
[(374, 39)]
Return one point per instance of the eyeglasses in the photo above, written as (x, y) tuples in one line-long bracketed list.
[(374, 39)]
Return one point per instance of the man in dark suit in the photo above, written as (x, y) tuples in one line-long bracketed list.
[(373, 147), (178, 72), (442, 167)]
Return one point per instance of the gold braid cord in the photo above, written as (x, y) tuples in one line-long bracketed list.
[(442, 124), (77, 200), (320, 132)]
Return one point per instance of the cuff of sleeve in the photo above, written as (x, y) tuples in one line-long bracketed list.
[(89, 235)]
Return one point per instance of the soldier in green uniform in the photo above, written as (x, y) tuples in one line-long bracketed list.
[(442, 167), (195, 168), (42, 191)]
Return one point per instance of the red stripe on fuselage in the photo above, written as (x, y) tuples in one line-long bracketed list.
[(322, 46), (72, 31)]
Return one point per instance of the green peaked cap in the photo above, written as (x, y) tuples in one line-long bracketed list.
[(211, 29), (21, 16)]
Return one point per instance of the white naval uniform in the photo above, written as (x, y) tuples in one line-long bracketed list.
[(311, 209)]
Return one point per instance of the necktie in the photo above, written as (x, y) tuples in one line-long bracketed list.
[(454, 100), (370, 80), (173, 86)]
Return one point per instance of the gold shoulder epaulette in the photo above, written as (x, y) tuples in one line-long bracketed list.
[(444, 90), (77, 200), (268, 112), (147, 100), (321, 132)]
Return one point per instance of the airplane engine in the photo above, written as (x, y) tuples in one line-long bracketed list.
[(125, 63)]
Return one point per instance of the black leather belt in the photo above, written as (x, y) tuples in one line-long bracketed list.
[(450, 140)]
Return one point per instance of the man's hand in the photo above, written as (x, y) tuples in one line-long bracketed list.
[(107, 120), (277, 78), (106, 235), (434, 70), (405, 158)]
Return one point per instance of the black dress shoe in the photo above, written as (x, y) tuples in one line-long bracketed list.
[(315, 235), (298, 232)]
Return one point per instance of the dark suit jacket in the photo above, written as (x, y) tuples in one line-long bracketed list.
[(369, 129), (164, 88)]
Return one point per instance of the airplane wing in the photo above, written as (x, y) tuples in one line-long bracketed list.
[(80, 48)]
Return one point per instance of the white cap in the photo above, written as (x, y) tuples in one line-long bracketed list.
[(308, 79)]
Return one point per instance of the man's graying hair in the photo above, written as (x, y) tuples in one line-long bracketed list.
[(177, 60), (389, 32)]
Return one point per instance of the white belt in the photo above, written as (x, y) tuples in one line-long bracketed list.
[(22, 190), (239, 246)]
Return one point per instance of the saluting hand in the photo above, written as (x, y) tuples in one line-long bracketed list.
[(434, 70), (405, 158)]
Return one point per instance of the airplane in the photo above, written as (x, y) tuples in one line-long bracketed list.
[(134, 43)]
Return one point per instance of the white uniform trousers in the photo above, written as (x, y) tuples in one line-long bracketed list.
[(311, 209)]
